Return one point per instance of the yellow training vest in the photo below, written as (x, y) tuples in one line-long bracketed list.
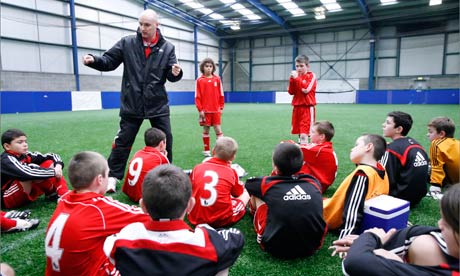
[(333, 207)]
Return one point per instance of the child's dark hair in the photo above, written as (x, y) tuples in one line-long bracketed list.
[(401, 119), (11, 134), (326, 128), (443, 124), (153, 137), (203, 63), (450, 208), (166, 191), (380, 145), (302, 59), (287, 158), (84, 167)]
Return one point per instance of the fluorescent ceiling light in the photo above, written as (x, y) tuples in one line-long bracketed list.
[(235, 27), (328, 1), (186, 1), (283, 1), (216, 16), (435, 2), (205, 10), (227, 1), (333, 7), (237, 6), (245, 11), (297, 12), (194, 5), (253, 17), (388, 2), (289, 5), (320, 16)]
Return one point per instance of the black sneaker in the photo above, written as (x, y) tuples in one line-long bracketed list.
[(17, 214)]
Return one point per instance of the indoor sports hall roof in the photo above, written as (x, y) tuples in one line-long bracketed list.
[(242, 18)]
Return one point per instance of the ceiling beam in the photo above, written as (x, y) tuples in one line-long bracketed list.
[(273, 16), (367, 14), (184, 16)]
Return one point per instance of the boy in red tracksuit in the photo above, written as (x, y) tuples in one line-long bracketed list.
[(302, 85), (152, 155), (209, 100), (27, 175), (319, 157)]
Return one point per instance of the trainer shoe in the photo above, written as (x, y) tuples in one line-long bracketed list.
[(112, 185), (24, 225), (17, 214), (435, 195), (207, 153)]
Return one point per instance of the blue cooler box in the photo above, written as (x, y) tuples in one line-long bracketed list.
[(385, 212)]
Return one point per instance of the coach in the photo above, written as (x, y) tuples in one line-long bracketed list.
[(149, 60)]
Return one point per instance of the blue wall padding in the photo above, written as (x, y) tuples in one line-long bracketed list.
[(250, 97), (35, 101), (435, 96), (181, 98), (110, 99)]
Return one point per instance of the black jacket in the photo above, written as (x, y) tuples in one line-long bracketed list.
[(143, 92)]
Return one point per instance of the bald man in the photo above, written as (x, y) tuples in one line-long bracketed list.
[(149, 60)]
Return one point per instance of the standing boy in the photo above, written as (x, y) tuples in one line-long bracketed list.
[(152, 155), (166, 245), (209, 100), (405, 160), (83, 219), (444, 155), (344, 210), (319, 157), (288, 217), (302, 85), (27, 175), (220, 196)]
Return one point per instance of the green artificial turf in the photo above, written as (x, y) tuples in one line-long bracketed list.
[(256, 127)]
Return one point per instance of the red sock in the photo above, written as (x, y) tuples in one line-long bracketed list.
[(219, 135), (206, 141), (7, 223)]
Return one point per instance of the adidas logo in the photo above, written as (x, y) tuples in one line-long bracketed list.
[(420, 160), (296, 193)]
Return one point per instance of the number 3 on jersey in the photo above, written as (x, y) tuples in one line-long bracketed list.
[(211, 187), (54, 252)]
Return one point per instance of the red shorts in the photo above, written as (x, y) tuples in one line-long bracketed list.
[(238, 210), (260, 220), (303, 118), (211, 119), (15, 197)]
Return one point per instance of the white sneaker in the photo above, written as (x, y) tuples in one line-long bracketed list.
[(112, 185), (24, 225), (207, 153)]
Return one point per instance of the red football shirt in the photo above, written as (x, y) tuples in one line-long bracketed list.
[(209, 94), (142, 162), (306, 81), (77, 231), (214, 183), (321, 162)]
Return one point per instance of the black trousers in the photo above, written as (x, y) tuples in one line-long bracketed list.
[(121, 148)]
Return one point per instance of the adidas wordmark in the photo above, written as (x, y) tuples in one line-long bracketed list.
[(296, 193)]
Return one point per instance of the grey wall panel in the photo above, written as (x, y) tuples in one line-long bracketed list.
[(22, 3), (88, 35), (56, 59), (453, 45), (281, 72), (86, 13), (262, 55), (19, 24), (387, 48), (263, 72), (127, 7), (53, 6), (386, 67), (109, 36), (283, 54), (357, 69), (358, 49), (54, 29), (325, 37), (19, 56), (453, 64), (421, 55)]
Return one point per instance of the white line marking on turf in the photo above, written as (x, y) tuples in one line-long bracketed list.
[(16, 244)]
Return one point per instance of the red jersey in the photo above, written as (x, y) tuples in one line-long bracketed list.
[(77, 231), (214, 183), (209, 94), (321, 162), (306, 81), (142, 162)]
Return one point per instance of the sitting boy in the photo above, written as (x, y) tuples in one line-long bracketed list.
[(288, 217), (405, 160), (444, 155), (152, 155), (220, 196), (27, 175), (84, 218), (319, 157), (344, 210), (166, 245)]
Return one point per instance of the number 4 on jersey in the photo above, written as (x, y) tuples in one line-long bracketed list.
[(54, 252)]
